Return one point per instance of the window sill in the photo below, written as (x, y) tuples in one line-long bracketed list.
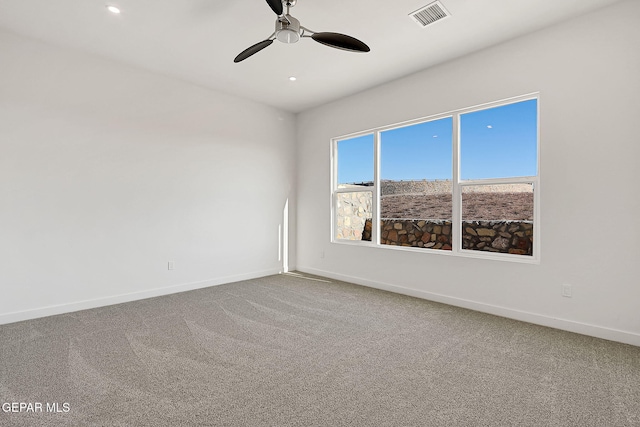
[(464, 253)]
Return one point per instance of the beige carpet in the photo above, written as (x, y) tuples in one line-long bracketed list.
[(293, 351)]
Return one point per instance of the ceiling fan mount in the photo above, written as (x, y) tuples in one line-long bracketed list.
[(289, 30)]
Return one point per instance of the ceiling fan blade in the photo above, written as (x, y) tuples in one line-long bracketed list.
[(276, 6), (341, 41), (252, 50)]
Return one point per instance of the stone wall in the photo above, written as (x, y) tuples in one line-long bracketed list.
[(514, 237), (413, 232), (352, 209)]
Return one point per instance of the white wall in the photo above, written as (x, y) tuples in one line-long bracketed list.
[(109, 172), (587, 72)]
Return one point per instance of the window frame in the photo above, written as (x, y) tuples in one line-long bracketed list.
[(336, 190), (457, 185)]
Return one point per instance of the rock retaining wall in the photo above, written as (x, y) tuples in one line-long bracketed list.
[(514, 237), (413, 232), (352, 210)]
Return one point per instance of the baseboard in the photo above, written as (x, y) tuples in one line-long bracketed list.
[(538, 319), (52, 310)]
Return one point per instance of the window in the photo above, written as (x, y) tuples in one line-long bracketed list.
[(498, 176), (463, 183), (415, 185), (354, 192)]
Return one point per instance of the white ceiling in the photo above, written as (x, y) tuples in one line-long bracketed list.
[(197, 40)]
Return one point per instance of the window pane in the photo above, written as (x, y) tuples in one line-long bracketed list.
[(417, 152), (355, 161), (415, 186), (499, 142), (353, 213), (498, 218)]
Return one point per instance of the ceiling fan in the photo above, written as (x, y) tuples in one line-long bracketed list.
[(289, 30)]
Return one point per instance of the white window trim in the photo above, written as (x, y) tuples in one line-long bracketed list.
[(456, 237)]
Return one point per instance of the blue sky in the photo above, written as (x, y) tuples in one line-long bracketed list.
[(498, 142)]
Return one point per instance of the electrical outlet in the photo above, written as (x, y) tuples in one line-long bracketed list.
[(567, 291), (170, 265)]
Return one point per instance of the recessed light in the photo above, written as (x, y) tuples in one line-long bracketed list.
[(292, 78), (489, 127), (113, 9)]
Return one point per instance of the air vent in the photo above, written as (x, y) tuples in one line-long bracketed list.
[(429, 14)]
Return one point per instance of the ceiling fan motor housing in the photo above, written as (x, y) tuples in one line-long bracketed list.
[(288, 29)]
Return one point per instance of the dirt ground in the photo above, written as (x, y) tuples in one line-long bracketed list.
[(475, 206)]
